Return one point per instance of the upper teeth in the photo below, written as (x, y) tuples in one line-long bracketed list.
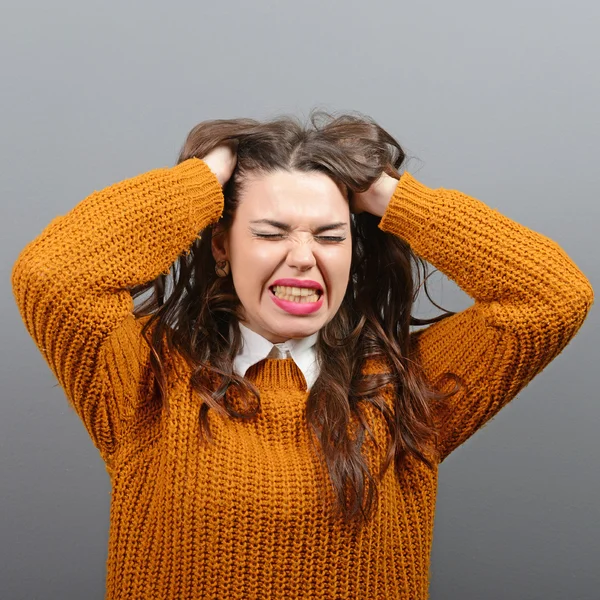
[(293, 291)]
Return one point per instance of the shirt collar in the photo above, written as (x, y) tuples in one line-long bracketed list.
[(256, 348)]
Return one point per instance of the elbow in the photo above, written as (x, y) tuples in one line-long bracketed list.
[(563, 316), (30, 274), (578, 303), (568, 301), (588, 295)]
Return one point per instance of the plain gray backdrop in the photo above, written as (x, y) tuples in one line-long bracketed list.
[(497, 99)]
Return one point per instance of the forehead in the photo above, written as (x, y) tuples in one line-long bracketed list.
[(292, 195)]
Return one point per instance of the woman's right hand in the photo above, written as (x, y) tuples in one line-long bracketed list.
[(221, 161)]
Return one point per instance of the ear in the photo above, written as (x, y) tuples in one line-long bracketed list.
[(219, 243)]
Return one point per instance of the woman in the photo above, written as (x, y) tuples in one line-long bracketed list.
[(248, 417)]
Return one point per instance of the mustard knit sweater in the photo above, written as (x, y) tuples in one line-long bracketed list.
[(245, 517)]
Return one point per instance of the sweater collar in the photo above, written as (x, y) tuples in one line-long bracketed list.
[(256, 348)]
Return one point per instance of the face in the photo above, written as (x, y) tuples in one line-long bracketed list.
[(288, 226)]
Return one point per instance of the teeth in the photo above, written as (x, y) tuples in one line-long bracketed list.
[(281, 290), (294, 294), (299, 299)]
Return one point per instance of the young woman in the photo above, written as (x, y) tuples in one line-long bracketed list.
[(248, 415)]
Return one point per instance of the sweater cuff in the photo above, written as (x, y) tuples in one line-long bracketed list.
[(199, 181), (410, 209)]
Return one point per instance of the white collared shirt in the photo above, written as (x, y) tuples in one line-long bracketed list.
[(255, 348)]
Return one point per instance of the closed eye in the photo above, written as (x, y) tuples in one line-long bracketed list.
[(326, 238)]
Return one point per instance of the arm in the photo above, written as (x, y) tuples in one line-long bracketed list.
[(70, 284), (530, 300)]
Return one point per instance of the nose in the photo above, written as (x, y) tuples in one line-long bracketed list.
[(301, 256)]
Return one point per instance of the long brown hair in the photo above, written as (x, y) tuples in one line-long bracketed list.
[(372, 322)]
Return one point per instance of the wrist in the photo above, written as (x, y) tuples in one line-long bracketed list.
[(384, 190)]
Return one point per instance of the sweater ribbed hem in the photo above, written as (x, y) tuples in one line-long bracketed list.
[(278, 374), (410, 209), (202, 185)]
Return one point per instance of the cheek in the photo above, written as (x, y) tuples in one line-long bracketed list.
[(338, 268), (253, 267)]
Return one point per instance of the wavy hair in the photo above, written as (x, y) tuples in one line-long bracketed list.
[(199, 315)]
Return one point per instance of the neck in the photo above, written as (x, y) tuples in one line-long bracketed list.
[(271, 337)]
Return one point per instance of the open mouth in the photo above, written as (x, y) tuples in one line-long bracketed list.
[(312, 295)]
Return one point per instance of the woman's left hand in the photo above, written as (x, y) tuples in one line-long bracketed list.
[(376, 198)]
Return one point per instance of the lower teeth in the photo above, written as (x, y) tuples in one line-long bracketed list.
[(299, 299)]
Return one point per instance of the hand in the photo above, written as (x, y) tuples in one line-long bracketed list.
[(221, 161), (376, 198)]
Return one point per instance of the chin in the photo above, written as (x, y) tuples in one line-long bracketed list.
[(297, 330)]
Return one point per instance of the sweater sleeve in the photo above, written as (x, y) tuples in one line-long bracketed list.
[(530, 301), (70, 285)]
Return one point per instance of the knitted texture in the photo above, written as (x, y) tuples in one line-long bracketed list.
[(247, 516)]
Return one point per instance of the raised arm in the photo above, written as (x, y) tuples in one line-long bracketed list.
[(530, 301), (70, 283)]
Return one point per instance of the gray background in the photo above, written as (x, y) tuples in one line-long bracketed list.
[(499, 100)]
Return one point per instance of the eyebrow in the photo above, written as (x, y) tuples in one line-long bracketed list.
[(286, 227)]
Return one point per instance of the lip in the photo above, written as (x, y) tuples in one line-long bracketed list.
[(299, 283)]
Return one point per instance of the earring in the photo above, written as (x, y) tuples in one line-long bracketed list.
[(222, 268)]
